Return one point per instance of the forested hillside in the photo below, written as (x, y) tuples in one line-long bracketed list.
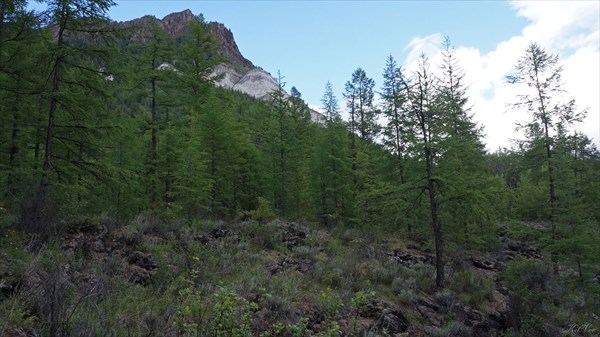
[(127, 175)]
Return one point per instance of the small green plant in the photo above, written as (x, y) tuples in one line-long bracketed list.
[(231, 314), (263, 213), (331, 303), (472, 288), (332, 331), (14, 312), (190, 313), (290, 330), (360, 300)]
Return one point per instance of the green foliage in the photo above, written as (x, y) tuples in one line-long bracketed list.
[(332, 331), (231, 314), (14, 312), (263, 214), (118, 124), (472, 288), (331, 303), (535, 292)]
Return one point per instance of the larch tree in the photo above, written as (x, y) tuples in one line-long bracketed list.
[(75, 83), (194, 185), (461, 162), (579, 187), (21, 46), (364, 129), (538, 75), (395, 138), (280, 106), (299, 134), (394, 94), (359, 96), (426, 137), (153, 71)]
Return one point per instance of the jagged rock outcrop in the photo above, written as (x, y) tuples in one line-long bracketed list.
[(256, 82), (229, 49), (175, 24), (237, 73)]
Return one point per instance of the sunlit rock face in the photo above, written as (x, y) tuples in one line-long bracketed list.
[(237, 73)]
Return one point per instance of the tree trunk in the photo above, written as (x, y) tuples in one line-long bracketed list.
[(153, 145), (40, 205), (553, 203), (282, 168), (437, 227), (213, 178)]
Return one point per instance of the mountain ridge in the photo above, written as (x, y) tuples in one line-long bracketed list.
[(238, 73)]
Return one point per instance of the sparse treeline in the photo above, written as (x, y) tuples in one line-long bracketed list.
[(93, 124)]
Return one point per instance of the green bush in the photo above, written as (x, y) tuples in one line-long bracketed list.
[(535, 293), (263, 213), (472, 288)]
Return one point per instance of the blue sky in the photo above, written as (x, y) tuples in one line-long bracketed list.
[(312, 42)]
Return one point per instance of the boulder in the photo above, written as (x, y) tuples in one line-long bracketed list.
[(142, 260), (284, 262), (487, 263), (386, 316), (294, 235), (409, 258), (137, 274)]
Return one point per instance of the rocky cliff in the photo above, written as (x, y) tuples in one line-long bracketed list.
[(229, 49), (175, 24), (237, 73)]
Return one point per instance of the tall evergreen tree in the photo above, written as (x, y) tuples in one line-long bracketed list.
[(359, 99), (153, 69), (394, 94), (194, 185), (539, 72), (331, 165), (363, 130), (21, 47), (427, 136), (281, 111), (579, 188), (300, 135), (75, 78), (461, 162)]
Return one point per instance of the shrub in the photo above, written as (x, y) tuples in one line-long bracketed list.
[(535, 290), (472, 288), (263, 213)]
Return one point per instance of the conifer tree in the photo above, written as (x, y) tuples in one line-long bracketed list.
[(75, 82), (363, 130), (21, 48), (394, 96), (300, 136), (579, 173), (539, 74), (332, 168), (151, 83), (359, 99), (280, 105), (461, 163), (427, 135), (195, 182)]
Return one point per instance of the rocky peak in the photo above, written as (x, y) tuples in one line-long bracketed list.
[(238, 73), (228, 48), (176, 23)]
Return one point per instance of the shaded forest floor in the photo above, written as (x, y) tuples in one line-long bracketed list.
[(157, 278)]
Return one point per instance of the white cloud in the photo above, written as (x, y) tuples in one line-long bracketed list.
[(567, 28), (428, 45)]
